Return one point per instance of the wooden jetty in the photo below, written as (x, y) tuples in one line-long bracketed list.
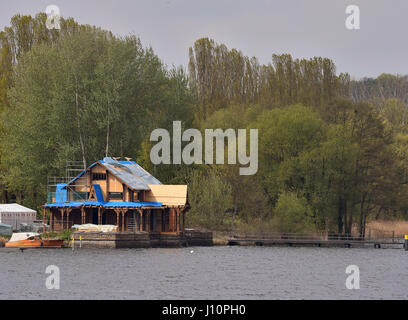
[(315, 240)]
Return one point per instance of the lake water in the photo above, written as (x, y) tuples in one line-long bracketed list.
[(206, 273)]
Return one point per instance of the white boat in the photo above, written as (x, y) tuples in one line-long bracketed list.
[(31, 240)]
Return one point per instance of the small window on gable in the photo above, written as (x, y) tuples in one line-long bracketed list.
[(98, 176)]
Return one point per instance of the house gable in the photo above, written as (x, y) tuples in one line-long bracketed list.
[(118, 180)]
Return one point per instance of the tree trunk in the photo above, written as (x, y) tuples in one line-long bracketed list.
[(81, 140), (234, 213), (107, 140), (340, 217), (350, 220), (361, 219), (364, 225), (345, 217)]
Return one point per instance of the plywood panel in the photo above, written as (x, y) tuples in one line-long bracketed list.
[(114, 184), (171, 195), (98, 169)]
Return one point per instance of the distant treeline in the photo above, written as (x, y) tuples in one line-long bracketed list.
[(333, 152)]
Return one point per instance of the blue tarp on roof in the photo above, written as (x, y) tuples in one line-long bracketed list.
[(61, 193), (128, 171), (105, 204), (82, 173), (98, 192)]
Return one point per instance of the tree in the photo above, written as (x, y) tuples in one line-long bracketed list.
[(293, 214), (88, 95), (210, 200)]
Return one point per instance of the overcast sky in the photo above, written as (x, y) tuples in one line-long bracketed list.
[(303, 28)]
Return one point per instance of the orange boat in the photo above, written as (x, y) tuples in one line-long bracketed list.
[(31, 240)]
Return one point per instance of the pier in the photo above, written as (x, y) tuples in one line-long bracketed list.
[(315, 240)]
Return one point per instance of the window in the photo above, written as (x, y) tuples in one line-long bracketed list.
[(98, 176), (115, 195)]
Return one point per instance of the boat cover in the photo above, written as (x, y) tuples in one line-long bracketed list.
[(19, 236)]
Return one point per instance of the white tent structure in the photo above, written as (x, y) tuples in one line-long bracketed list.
[(14, 214)]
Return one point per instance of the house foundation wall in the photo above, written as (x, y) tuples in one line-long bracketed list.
[(140, 239)]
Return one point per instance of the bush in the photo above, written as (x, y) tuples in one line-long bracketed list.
[(210, 198), (293, 214)]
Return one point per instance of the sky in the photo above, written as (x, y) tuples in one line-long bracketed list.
[(260, 28)]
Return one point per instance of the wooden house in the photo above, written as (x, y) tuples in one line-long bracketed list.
[(121, 193)]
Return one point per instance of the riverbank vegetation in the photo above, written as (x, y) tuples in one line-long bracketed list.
[(61, 235), (333, 152)]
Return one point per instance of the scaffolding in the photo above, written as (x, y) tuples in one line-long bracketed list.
[(72, 170)]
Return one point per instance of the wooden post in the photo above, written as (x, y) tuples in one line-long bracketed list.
[(51, 221), (123, 220), (178, 220), (153, 220), (68, 214), (99, 216), (184, 220), (117, 218), (62, 217), (141, 220), (82, 215), (148, 220), (163, 220)]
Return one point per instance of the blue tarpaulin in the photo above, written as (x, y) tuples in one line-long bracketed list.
[(105, 204), (98, 192), (61, 193), (128, 171)]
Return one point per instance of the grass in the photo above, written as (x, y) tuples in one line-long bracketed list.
[(374, 229), (61, 235), (3, 240), (382, 228)]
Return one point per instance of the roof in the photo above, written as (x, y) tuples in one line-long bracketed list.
[(99, 201), (133, 175), (14, 207), (119, 204)]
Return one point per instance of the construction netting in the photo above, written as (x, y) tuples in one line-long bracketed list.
[(32, 227)]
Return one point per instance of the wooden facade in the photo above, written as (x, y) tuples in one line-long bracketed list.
[(112, 200), (152, 220)]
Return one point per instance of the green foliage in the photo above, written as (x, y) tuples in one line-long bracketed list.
[(220, 77), (210, 199), (61, 235), (87, 96), (293, 214), (325, 162)]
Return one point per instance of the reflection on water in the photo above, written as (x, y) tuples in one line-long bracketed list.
[(207, 273)]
